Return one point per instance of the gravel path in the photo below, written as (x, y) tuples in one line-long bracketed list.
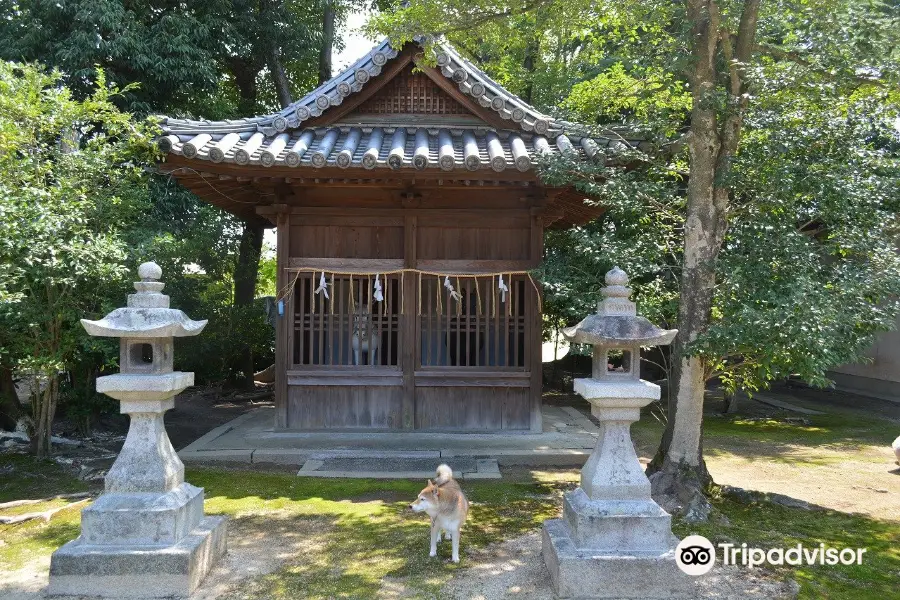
[(256, 546), (515, 570)]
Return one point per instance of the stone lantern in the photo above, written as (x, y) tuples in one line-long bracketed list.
[(614, 541), (146, 535)]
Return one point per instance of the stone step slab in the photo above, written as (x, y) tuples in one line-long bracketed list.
[(397, 467)]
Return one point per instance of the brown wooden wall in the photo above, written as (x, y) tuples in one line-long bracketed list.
[(410, 393)]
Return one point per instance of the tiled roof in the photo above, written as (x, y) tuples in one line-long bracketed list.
[(470, 79), (343, 146)]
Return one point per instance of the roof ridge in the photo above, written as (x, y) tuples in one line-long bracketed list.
[(470, 79)]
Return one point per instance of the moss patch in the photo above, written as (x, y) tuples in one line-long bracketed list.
[(765, 525), (372, 536), (26, 478), (364, 536)]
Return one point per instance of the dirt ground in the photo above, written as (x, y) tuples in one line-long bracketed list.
[(515, 569), (198, 413), (849, 477), (256, 546), (512, 569), (843, 474)]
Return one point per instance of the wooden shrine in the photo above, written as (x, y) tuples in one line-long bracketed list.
[(408, 213)]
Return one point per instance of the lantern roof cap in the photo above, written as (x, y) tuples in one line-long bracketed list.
[(147, 315), (616, 322)]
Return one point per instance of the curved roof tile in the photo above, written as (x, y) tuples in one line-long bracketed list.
[(470, 148), (468, 78)]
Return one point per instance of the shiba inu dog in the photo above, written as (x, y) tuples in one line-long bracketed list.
[(366, 339), (896, 446), (443, 501)]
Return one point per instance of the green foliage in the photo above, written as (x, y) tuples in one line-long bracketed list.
[(576, 260), (268, 272), (186, 56), (810, 269), (645, 96), (64, 166), (78, 212), (808, 272)]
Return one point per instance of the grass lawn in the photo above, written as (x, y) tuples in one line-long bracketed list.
[(351, 538)]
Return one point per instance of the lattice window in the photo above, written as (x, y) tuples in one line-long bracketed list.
[(414, 93), (485, 328), (350, 327)]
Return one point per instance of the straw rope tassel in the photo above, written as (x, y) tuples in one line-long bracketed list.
[(477, 296), (352, 299), (493, 298), (537, 292), (289, 288)]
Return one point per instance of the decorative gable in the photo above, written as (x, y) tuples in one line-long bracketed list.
[(413, 93)]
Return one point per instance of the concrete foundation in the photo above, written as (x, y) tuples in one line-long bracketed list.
[(580, 574), (80, 568)]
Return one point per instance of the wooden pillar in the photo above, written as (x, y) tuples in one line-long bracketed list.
[(284, 322), (536, 339), (409, 339)]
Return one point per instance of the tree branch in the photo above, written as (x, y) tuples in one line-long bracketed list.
[(282, 86), (14, 503), (480, 19), (804, 61), (45, 515)]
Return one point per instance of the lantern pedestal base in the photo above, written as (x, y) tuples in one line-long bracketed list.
[(612, 526), (580, 574), (134, 571)]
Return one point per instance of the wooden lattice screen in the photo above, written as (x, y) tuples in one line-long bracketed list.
[(413, 93), (350, 327), (484, 328)]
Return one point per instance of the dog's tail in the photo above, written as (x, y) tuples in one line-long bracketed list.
[(444, 474)]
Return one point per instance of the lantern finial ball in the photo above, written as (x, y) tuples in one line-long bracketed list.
[(149, 271), (616, 276)]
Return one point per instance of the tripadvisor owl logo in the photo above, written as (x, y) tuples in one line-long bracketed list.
[(695, 555)]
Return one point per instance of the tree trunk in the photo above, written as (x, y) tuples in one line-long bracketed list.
[(678, 472), (244, 73), (282, 86), (532, 49), (9, 401), (44, 411), (730, 403), (279, 79), (245, 276), (327, 41)]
